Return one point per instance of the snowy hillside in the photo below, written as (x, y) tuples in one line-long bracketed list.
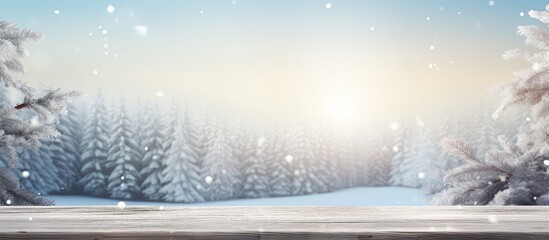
[(362, 196)]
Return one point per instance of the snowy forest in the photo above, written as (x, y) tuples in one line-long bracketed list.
[(144, 151)]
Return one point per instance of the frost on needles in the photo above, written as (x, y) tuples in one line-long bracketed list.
[(516, 173), (16, 129)]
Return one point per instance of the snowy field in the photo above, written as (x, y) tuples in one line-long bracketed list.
[(363, 196)]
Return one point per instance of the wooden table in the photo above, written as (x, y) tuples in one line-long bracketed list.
[(136, 222)]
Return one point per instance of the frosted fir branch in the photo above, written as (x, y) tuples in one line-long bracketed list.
[(542, 16), (460, 149), (536, 36)]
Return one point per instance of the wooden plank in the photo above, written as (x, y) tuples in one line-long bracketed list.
[(136, 222)]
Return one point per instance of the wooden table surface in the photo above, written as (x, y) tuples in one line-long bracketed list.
[(137, 222)]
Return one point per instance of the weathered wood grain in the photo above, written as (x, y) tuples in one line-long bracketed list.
[(511, 222)]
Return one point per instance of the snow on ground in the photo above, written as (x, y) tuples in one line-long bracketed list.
[(363, 196)]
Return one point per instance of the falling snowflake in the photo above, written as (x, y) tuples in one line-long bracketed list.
[(104, 31), (289, 158), (421, 175), (546, 162), (105, 45), (428, 18), (111, 9), (25, 174), (30, 218), (328, 5), (432, 47), (201, 11), (491, 3), (233, 2), (372, 29), (208, 180), (121, 205), (122, 177), (296, 172), (395, 148), (459, 13), (8, 202), (161, 208), (521, 14), (159, 93), (56, 12), (141, 30)]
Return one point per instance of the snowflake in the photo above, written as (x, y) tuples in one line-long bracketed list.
[(328, 5), (121, 205), (289, 158), (491, 3), (25, 174), (208, 180), (56, 12), (111, 9)]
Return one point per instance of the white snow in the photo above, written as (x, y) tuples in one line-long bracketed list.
[(491, 3), (328, 5), (361, 196), (521, 14), (56, 12), (208, 180), (141, 30), (289, 158), (111, 9), (121, 205), (546, 162), (432, 47), (25, 174)]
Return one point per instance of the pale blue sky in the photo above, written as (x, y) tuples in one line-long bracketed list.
[(280, 59)]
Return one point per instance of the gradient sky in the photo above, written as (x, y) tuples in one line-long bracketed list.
[(358, 62)]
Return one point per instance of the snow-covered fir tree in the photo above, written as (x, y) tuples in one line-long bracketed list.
[(241, 142), (181, 178), (485, 133), (278, 165), (379, 164), (424, 163), (123, 180), (37, 171), (153, 155), (95, 147), (255, 179), (325, 159), (516, 172), (302, 152), (66, 152), (403, 153), (16, 129), (220, 168)]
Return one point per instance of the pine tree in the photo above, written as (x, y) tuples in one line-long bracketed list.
[(221, 169), (402, 153), (255, 183), (123, 181), (17, 131), (379, 164), (181, 177), (486, 132), (153, 156), (42, 173), (516, 172), (302, 152), (243, 150), (95, 147), (324, 159), (278, 164), (66, 152)]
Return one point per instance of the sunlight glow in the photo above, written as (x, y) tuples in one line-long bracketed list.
[(342, 106)]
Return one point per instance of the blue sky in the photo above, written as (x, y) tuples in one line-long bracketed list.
[(274, 59)]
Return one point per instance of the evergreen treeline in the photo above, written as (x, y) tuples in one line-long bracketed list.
[(180, 156)]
